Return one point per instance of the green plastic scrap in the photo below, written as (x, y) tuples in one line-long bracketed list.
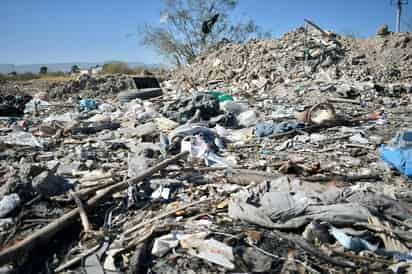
[(222, 97)]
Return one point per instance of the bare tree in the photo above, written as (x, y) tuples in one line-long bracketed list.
[(43, 70), (191, 27), (75, 69)]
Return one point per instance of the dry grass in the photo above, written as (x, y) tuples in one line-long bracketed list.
[(56, 78)]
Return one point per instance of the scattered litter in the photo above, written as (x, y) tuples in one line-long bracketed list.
[(261, 156)]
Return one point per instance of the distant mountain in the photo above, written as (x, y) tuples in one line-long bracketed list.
[(6, 68), (64, 67), (35, 68)]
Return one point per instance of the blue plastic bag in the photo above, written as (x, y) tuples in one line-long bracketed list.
[(351, 243), (399, 154), (400, 158), (88, 104)]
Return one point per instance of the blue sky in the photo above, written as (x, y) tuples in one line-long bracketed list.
[(58, 31)]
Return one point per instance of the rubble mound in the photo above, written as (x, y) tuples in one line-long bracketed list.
[(84, 85), (105, 84), (304, 53)]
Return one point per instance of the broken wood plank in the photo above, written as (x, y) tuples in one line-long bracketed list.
[(83, 216), (342, 100), (326, 33)]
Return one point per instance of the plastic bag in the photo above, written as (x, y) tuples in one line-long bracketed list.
[(8, 204), (88, 104), (399, 153)]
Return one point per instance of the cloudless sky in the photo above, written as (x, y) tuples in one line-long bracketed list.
[(58, 31)]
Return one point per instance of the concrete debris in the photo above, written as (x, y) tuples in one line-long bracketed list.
[(264, 64)]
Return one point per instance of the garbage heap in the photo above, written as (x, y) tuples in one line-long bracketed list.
[(304, 53), (309, 174)]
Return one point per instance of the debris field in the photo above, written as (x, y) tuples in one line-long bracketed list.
[(291, 155)]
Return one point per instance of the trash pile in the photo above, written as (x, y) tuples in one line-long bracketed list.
[(304, 52), (309, 174)]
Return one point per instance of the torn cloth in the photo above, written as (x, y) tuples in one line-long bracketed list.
[(272, 205)]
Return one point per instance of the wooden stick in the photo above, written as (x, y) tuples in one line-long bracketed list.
[(326, 33), (86, 192), (82, 212), (46, 233), (344, 178), (78, 142), (135, 242), (164, 215), (96, 178), (77, 259), (342, 100), (358, 146), (362, 258), (199, 169), (302, 243)]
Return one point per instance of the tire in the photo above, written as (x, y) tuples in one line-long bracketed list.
[(147, 93)]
